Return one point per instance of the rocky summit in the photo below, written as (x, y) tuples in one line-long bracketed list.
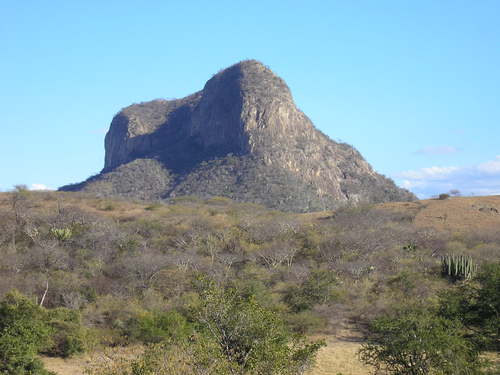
[(241, 137)]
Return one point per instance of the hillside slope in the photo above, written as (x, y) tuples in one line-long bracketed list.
[(455, 215)]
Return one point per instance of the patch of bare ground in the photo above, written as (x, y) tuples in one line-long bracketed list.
[(77, 365), (339, 357), (70, 366)]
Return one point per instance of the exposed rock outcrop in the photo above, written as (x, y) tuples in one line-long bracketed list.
[(241, 137)]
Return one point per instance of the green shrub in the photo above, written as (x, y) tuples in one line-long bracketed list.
[(477, 305), (251, 338), (23, 333), (416, 341), (69, 337), (197, 356), (154, 327)]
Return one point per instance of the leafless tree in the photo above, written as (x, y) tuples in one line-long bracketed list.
[(279, 253)]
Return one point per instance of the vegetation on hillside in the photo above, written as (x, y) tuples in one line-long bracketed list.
[(104, 273)]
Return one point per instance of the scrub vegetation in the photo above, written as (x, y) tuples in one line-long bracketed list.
[(218, 287)]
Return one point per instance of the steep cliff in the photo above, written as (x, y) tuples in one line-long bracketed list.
[(241, 137)]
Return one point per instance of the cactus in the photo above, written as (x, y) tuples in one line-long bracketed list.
[(458, 267)]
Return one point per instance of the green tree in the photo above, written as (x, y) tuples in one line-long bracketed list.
[(198, 356), (154, 327), (477, 305), (419, 342), (23, 333), (251, 338)]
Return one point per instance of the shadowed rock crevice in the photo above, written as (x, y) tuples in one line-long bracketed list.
[(241, 137)]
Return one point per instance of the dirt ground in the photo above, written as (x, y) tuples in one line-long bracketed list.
[(339, 356)]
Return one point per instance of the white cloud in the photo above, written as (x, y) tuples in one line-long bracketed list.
[(480, 179), (436, 173), (490, 167), (410, 184), (39, 187), (437, 150)]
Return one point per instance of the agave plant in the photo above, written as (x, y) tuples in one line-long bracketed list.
[(62, 234)]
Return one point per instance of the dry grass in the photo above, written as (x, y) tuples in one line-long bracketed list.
[(71, 366), (339, 357), (456, 214), (77, 365)]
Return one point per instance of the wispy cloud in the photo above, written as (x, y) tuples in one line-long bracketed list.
[(431, 173), (480, 179), (39, 187), (490, 167), (437, 150)]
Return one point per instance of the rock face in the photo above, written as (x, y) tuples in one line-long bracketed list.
[(241, 137)]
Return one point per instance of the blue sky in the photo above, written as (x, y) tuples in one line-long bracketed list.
[(413, 85)]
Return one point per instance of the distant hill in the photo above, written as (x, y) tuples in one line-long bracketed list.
[(241, 137)]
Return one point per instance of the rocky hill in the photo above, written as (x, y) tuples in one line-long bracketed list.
[(241, 137)]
